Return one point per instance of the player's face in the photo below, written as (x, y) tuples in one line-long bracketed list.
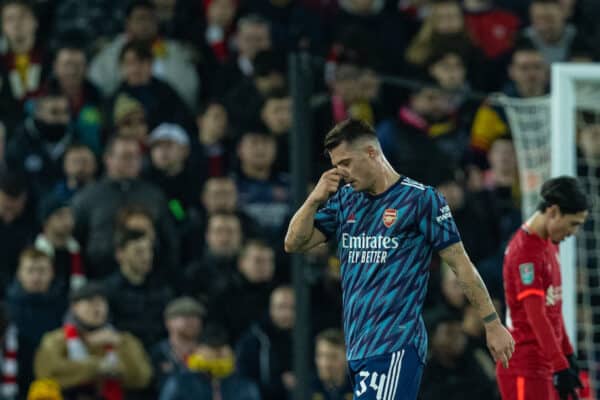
[(561, 226), (355, 162)]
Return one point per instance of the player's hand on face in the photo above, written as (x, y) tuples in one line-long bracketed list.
[(327, 185), (500, 342)]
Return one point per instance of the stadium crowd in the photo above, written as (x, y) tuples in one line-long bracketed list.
[(144, 181)]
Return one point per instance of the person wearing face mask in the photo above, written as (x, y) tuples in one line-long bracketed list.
[(211, 373), (38, 145), (87, 356)]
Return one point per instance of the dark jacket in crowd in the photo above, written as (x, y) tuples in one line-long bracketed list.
[(138, 309), (95, 209), (263, 354), (238, 306), (34, 314), (191, 385), (14, 236), (318, 390)]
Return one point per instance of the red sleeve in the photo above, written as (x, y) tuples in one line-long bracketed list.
[(535, 309), (566, 344)]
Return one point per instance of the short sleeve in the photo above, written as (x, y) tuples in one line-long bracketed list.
[(326, 218), (435, 220)]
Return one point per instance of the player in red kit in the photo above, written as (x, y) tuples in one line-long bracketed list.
[(543, 366)]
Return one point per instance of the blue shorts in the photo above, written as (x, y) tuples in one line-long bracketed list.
[(395, 376)]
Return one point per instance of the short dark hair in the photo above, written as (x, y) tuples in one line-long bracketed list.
[(566, 192), (253, 242), (23, 3), (138, 4), (124, 236), (332, 336), (73, 40), (33, 253), (523, 43), (125, 212), (140, 48), (348, 131), (214, 336), (13, 184)]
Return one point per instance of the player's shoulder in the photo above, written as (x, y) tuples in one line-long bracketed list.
[(524, 245)]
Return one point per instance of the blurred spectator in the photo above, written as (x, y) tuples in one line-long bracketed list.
[(263, 193), (145, 298), (184, 319), (454, 370), (214, 271), (247, 297), (588, 141), (23, 59), (169, 168), (492, 28), (244, 101), (529, 77), (44, 389), (211, 150), (69, 69), (444, 25), (331, 381), (79, 168), (168, 59), (327, 290), (264, 352), (177, 19), (57, 241), (36, 305), (253, 35), (96, 205), (219, 28), (381, 33), (97, 20), (276, 116), (88, 357), (129, 119), (549, 31), (161, 103), (293, 27), (472, 216), (39, 143), (17, 223), (423, 138), (211, 373)]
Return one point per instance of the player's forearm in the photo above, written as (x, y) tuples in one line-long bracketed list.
[(470, 282), (301, 227), (475, 290)]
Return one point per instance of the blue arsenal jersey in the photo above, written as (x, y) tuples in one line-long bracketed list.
[(385, 244)]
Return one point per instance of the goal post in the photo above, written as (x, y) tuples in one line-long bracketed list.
[(548, 136)]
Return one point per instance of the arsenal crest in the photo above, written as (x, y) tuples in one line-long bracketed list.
[(389, 217)]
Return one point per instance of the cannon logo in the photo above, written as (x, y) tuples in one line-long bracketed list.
[(389, 217)]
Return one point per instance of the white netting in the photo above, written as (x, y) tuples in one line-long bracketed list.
[(529, 120), (530, 124)]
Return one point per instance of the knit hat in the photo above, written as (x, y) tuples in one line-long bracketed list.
[(184, 307), (49, 205), (169, 132), (89, 290), (125, 105)]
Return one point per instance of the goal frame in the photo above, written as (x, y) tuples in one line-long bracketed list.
[(563, 109)]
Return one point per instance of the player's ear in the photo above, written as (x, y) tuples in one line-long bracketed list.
[(371, 151), (553, 211)]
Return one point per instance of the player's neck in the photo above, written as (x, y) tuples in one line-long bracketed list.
[(537, 224), (385, 180)]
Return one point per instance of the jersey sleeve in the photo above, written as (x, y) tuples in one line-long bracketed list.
[(528, 274), (435, 220), (326, 218)]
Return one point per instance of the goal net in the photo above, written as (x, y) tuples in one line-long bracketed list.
[(560, 135)]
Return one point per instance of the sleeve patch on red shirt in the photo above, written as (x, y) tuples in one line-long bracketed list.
[(526, 271)]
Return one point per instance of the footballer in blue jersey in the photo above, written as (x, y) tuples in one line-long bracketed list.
[(387, 228)]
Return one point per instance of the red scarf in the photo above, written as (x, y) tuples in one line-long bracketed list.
[(77, 275), (25, 80), (10, 368), (111, 388)]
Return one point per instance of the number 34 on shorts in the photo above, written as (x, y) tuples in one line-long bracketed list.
[(393, 376)]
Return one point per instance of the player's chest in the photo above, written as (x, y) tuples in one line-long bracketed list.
[(378, 218), (552, 280)]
